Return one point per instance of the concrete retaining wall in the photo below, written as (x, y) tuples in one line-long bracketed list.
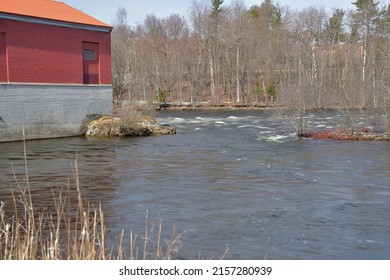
[(50, 110)]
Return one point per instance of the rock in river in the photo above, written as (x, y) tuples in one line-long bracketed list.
[(128, 126)]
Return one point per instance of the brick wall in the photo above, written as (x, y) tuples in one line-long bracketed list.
[(39, 53)]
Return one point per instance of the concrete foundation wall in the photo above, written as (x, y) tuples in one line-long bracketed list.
[(50, 110)]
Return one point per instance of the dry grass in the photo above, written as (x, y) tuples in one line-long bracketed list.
[(135, 110), (72, 230)]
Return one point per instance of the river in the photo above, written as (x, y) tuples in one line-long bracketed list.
[(235, 184)]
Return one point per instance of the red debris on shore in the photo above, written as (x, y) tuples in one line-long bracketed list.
[(364, 134)]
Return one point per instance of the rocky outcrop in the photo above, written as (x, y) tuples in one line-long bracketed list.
[(129, 126)]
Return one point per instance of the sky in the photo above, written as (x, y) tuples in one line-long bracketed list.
[(105, 10)]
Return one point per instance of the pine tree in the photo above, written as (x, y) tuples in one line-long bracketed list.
[(216, 6)]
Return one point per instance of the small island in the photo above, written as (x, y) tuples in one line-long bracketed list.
[(134, 126)]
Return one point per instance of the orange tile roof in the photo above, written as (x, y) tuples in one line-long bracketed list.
[(48, 9)]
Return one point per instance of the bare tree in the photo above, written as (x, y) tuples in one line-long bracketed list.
[(177, 33), (236, 27), (364, 19), (120, 56)]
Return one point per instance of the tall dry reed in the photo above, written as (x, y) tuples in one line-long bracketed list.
[(74, 230)]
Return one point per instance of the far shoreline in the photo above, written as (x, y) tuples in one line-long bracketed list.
[(216, 106)]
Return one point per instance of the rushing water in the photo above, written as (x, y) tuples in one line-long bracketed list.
[(235, 180)]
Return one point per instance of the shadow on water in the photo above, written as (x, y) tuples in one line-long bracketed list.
[(239, 179)]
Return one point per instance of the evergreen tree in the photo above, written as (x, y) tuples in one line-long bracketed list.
[(335, 26), (216, 6), (365, 4)]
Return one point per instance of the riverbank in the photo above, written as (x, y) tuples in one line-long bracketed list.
[(353, 135), (214, 106)]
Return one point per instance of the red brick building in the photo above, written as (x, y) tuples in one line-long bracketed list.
[(55, 69), (43, 41)]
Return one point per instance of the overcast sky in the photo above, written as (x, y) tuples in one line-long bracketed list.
[(105, 10)]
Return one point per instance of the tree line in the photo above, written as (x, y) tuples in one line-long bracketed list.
[(265, 53)]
